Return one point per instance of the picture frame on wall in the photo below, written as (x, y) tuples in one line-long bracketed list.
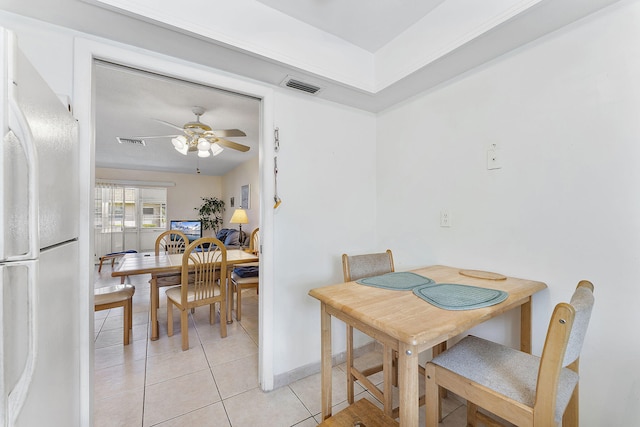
[(245, 197), (232, 202)]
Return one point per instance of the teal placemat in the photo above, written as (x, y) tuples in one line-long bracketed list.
[(459, 297), (401, 281)]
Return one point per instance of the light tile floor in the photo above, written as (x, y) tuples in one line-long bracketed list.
[(214, 383)]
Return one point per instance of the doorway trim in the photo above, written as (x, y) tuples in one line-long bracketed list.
[(85, 52)]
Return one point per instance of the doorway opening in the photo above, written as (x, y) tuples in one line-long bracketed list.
[(86, 55)]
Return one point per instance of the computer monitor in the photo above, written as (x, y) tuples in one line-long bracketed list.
[(191, 227)]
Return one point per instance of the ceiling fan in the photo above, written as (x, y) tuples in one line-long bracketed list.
[(198, 136)]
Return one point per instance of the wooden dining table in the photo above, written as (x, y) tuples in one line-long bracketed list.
[(406, 323), (165, 270)]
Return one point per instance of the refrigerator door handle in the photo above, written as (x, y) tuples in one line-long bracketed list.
[(20, 128), (16, 397)]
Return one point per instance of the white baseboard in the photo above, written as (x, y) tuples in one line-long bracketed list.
[(294, 375)]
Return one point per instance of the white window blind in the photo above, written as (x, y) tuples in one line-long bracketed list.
[(127, 217)]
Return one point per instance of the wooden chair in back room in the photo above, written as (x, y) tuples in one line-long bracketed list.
[(247, 276), (203, 282), (171, 242), (116, 296)]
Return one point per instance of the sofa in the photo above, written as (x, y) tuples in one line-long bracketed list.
[(231, 237)]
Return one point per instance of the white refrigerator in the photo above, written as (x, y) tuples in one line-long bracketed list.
[(39, 212)]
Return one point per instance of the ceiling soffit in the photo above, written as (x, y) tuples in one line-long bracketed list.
[(171, 32), (257, 29)]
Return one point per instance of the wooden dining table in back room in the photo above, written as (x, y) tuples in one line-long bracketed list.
[(164, 264)]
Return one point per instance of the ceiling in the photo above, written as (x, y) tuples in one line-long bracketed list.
[(129, 103), (378, 21), (328, 43)]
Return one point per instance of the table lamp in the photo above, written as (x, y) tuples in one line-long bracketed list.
[(239, 217)]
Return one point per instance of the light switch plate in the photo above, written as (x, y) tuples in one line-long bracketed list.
[(494, 160)]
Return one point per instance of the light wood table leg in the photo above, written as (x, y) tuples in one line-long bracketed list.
[(387, 385), (155, 298), (325, 367), (229, 297), (350, 378), (525, 326), (408, 384)]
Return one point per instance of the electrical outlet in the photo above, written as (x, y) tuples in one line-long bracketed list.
[(445, 219)]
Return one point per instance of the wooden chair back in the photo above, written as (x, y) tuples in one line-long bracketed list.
[(204, 268), (565, 336), (356, 267), (171, 242), (254, 242)]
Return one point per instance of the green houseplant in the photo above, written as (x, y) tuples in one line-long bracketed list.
[(210, 213)]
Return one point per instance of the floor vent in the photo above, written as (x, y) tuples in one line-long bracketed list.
[(296, 84), (131, 141)]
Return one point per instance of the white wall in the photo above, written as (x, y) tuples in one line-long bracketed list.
[(246, 173), (566, 204), (327, 184), (50, 52)]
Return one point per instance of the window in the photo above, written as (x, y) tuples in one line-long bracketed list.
[(123, 212), (154, 207)]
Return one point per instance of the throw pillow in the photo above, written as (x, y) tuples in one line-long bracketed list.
[(232, 238), (222, 234)]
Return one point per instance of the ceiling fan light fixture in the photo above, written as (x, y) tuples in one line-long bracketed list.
[(183, 150), (203, 144), (216, 149), (200, 138), (179, 142)]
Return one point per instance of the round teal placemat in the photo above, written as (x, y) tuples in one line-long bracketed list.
[(451, 296), (400, 281)]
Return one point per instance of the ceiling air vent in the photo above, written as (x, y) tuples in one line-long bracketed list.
[(296, 84), (131, 141)]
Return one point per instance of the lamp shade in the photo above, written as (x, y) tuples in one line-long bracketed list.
[(216, 149), (239, 217)]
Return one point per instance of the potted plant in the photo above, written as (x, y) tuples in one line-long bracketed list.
[(210, 213)]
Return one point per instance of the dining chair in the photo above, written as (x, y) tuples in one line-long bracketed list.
[(246, 276), (203, 282), (115, 296), (171, 242), (518, 387), (362, 413), (355, 267)]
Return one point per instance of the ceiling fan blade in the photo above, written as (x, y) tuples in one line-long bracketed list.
[(226, 133), (230, 144), (153, 137), (169, 124)]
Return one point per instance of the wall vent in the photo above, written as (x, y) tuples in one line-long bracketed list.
[(296, 84), (131, 141)]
